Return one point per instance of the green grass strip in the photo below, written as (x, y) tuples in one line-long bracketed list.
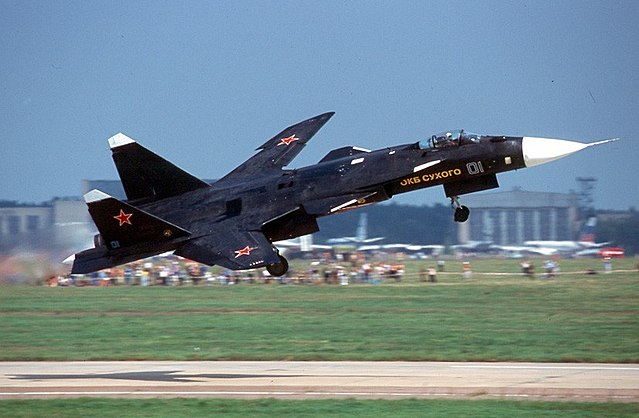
[(576, 318), (190, 408)]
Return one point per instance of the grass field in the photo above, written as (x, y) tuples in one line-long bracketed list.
[(575, 317), (176, 408)]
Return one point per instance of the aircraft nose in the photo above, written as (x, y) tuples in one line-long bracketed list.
[(543, 150)]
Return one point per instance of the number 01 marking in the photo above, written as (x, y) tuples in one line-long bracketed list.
[(475, 167)]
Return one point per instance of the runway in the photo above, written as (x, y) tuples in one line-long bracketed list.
[(315, 380)]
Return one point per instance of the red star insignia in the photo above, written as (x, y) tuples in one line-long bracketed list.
[(124, 218), (288, 141), (244, 251)]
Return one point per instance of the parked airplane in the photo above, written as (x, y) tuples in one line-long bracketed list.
[(412, 249), (361, 235), (586, 240), (234, 221), (516, 251), (302, 244), (586, 245)]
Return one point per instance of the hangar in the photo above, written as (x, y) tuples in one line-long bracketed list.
[(513, 217)]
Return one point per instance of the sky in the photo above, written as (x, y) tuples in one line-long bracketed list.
[(203, 83)]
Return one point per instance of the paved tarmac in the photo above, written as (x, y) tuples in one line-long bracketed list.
[(314, 380)]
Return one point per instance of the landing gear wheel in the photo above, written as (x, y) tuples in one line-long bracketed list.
[(461, 214), (278, 269)]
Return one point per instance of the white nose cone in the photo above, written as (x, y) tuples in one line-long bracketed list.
[(543, 150)]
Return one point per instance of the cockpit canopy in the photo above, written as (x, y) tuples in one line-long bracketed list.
[(449, 139)]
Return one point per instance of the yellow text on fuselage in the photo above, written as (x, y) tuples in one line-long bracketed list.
[(426, 178)]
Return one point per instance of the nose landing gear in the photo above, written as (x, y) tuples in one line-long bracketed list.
[(461, 212)]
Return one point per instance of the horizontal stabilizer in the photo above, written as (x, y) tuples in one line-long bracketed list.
[(145, 175), (231, 247), (96, 259)]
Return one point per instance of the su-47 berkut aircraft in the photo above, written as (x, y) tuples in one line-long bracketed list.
[(234, 221)]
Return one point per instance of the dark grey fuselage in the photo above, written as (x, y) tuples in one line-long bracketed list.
[(286, 204)]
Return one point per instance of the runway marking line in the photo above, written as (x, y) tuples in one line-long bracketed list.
[(307, 394), (478, 366)]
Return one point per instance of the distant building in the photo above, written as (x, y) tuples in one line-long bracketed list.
[(18, 219), (59, 223), (511, 218)]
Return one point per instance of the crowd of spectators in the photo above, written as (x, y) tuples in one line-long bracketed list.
[(175, 271)]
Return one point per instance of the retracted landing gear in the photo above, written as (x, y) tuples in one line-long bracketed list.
[(461, 212), (278, 269)]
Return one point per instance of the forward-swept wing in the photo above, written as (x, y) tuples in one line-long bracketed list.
[(280, 150)]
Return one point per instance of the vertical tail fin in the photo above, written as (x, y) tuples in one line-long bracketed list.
[(588, 230), (145, 175), (122, 225), (126, 234)]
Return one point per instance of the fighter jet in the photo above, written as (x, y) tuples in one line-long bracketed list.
[(234, 221)]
